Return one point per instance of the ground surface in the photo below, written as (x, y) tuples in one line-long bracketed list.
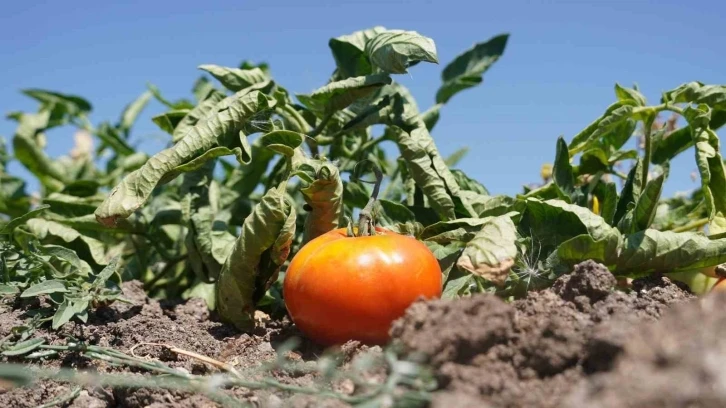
[(580, 343)]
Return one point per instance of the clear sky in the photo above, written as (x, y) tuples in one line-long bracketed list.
[(556, 76)]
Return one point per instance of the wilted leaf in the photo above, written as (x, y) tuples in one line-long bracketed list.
[(24, 347), (235, 79), (168, 121), (44, 228), (325, 198), (338, 95), (9, 227), (201, 112), (394, 51), (257, 255), (562, 171), (614, 116), (219, 130), (349, 52), (492, 251)]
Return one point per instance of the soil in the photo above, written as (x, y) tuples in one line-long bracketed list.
[(580, 343)]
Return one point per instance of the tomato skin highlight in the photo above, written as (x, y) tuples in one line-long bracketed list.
[(339, 288)]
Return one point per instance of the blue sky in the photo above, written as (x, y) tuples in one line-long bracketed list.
[(557, 74)]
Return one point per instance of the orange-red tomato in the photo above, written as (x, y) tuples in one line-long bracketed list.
[(720, 285), (339, 288)]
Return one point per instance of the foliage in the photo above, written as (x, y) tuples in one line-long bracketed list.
[(251, 173)]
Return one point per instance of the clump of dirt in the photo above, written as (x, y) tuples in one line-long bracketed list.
[(534, 351)]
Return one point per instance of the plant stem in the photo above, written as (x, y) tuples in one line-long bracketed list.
[(365, 219), (318, 129), (691, 225), (648, 145)]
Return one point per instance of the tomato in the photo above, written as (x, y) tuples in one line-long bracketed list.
[(339, 288), (720, 286)]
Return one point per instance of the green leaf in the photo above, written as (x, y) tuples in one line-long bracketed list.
[(425, 164), (324, 196), (461, 229), (394, 51), (630, 193), (132, 111), (349, 52), (28, 152), (114, 266), (628, 94), (562, 170), (283, 142), (552, 222), (431, 118), (372, 115), (647, 204), (466, 183), (593, 161), (666, 148), (338, 95), (392, 213), (73, 105), (45, 228), (8, 290), (24, 347), (63, 314), (71, 206), (698, 93), (467, 69), (45, 288), (15, 222), (204, 111), (69, 256), (649, 251), (111, 137), (236, 79), (257, 255), (454, 287), (486, 205), (615, 115), (168, 121), (607, 195), (710, 166), (455, 158), (492, 251), (223, 129)]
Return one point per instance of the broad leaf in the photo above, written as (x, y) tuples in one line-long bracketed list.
[(615, 115), (629, 94), (15, 222), (324, 196), (72, 105), (223, 129), (340, 94), (349, 52), (394, 51), (630, 193), (562, 171), (467, 69), (648, 201), (492, 251), (257, 255), (132, 111), (235, 79), (45, 288), (168, 121), (666, 148), (698, 93), (203, 110), (44, 229)]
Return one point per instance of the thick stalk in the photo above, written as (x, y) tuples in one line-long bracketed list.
[(365, 219)]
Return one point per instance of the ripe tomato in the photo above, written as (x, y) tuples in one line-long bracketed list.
[(339, 288), (720, 285)]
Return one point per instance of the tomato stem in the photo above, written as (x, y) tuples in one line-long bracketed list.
[(365, 219)]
